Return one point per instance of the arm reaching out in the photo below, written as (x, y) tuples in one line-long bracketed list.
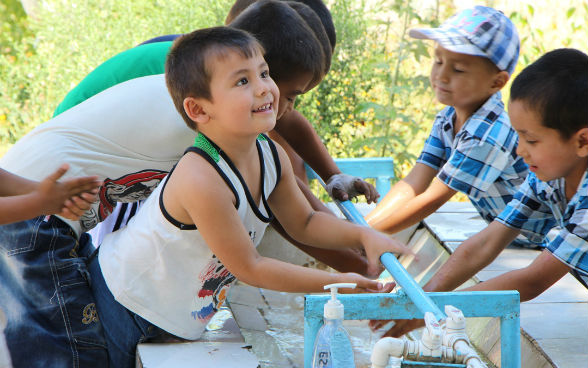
[(26, 199), (297, 131), (410, 200), (324, 230), (212, 209), (469, 258)]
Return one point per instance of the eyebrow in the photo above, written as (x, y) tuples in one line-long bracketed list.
[(237, 72)]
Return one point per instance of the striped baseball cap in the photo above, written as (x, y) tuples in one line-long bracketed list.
[(479, 31)]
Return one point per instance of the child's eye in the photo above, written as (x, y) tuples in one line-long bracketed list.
[(458, 70), (530, 142), (242, 82), (265, 74)]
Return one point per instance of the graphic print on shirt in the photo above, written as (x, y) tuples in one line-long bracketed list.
[(126, 189), (215, 280)]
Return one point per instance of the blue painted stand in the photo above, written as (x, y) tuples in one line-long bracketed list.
[(411, 302), (379, 168), (503, 304)]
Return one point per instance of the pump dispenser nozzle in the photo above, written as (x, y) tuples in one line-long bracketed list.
[(334, 308)]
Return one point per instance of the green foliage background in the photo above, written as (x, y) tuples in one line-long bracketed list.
[(375, 101)]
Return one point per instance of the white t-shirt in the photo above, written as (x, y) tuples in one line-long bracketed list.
[(130, 135), (164, 271)]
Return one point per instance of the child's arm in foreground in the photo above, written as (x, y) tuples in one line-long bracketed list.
[(470, 257), (410, 200), (298, 132), (22, 199), (321, 229), (212, 209)]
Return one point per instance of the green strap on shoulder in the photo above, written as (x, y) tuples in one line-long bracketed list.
[(204, 144)]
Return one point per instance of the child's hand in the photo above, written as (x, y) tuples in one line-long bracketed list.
[(76, 206), (376, 243), (69, 198), (400, 327), (364, 284), (344, 187)]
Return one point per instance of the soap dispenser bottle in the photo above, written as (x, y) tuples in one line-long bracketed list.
[(332, 347)]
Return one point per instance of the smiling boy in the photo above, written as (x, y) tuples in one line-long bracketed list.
[(170, 268), (548, 109), (472, 146)]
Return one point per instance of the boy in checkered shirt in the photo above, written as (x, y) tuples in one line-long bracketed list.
[(549, 110), (472, 145)]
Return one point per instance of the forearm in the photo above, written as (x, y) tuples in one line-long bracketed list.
[(326, 231), (530, 281), (272, 274), (19, 207), (12, 185), (471, 257), (403, 207)]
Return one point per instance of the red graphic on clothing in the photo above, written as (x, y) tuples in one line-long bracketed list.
[(215, 279), (129, 188)]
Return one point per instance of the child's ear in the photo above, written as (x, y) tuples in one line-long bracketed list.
[(194, 108), (582, 139), (500, 80)]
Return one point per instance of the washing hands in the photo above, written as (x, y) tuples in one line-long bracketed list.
[(344, 187)]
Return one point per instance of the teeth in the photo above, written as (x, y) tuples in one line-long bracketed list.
[(264, 107)]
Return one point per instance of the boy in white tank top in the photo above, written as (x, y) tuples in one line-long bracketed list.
[(171, 266)]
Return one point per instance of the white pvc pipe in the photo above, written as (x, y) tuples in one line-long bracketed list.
[(384, 349), (471, 357)]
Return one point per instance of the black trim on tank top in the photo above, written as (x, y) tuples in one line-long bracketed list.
[(278, 166), (250, 199), (206, 156)]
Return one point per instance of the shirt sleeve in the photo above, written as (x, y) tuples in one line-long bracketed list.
[(570, 245), (434, 152), (526, 211), (474, 166)]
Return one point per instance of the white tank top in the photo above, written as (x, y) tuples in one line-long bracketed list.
[(162, 269)]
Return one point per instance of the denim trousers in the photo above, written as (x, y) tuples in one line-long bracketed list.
[(123, 329), (45, 294)]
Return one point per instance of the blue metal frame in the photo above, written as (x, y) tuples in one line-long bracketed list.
[(379, 168), (503, 304), (411, 302)]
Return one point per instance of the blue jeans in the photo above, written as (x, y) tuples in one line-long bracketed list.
[(45, 294), (123, 329)]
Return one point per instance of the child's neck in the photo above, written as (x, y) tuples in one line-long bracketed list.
[(463, 113), (241, 150), (573, 180)]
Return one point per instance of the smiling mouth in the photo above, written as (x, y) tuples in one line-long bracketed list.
[(264, 108)]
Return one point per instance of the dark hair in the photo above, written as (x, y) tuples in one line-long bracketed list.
[(318, 6), (315, 24), (556, 87), (188, 65), (291, 46)]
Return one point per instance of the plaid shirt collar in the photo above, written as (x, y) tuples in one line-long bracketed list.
[(486, 114)]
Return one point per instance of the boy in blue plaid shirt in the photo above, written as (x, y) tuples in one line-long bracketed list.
[(549, 109), (472, 146)]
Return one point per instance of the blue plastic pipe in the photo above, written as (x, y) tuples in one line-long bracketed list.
[(401, 276)]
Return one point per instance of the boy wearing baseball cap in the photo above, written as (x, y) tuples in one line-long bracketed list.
[(472, 145)]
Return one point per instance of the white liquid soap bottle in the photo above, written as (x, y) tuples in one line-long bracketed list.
[(332, 347)]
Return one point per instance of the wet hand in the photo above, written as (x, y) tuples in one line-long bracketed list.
[(376, 243), (344, 187), (364, 284)]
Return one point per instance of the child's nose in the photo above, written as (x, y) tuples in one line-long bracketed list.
[(262, 88)]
